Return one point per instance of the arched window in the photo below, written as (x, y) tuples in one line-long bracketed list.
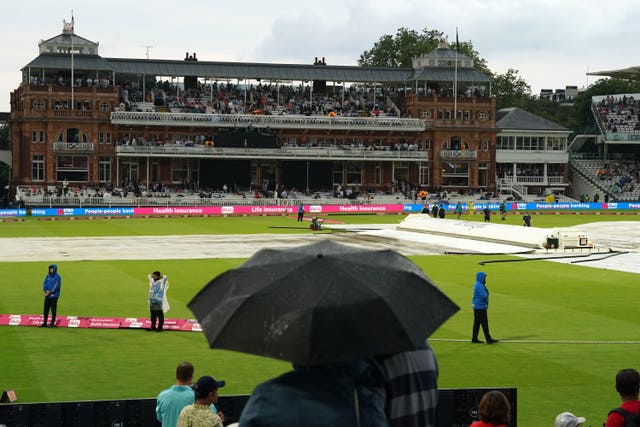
[(72, 135)]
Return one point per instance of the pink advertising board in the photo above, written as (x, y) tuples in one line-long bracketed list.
[(266, 210), (190, 325)]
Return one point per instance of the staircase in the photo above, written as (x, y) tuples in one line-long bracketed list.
[(508, 187)]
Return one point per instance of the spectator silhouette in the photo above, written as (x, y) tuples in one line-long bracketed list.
[(409, 387), (170, 402), (494, 409), (334, 394), (628, 386), (567, 419)]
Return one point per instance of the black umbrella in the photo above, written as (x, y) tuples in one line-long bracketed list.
[(321, 303)]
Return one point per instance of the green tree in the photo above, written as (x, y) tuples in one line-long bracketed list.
[(511, 90), (399, 50), (5, 139)]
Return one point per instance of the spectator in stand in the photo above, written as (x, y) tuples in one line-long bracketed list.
[(494, 409), (199, 413), (628, 386), (567, 419), (171, 401), (337, 394), (409, 387), (51, 287)]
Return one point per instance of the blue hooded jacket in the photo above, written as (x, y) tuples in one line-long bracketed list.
[(52, 282), (480, 292)]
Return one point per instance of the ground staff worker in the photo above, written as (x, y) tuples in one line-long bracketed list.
[(480, 305), (51, 287)]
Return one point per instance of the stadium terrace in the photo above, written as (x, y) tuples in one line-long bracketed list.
[(89, 127)]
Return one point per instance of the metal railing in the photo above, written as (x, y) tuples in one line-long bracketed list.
[(270, 153), (527, 179), (195, 200), (73, 146), (264, 121), (458, 154)]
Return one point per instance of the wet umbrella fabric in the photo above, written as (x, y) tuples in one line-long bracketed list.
[(321, 303)]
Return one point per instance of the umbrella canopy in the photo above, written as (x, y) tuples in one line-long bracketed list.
[(321, 303)]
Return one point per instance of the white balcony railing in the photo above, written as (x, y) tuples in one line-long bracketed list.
[(264, 121), (533, 180), (458, 154), (299, 153), (73, 146)]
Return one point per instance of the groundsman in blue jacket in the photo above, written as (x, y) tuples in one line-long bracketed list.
[(480, 305), (51, 287)]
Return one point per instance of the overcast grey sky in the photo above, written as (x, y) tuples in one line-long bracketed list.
[(551, 42)]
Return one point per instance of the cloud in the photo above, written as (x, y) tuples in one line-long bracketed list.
[(550, 42)]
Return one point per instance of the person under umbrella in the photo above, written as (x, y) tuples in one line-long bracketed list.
[(313, 305), (334, 394)]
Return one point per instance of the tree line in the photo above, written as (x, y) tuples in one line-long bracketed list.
[(510, 89)]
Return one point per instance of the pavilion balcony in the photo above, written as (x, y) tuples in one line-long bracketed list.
[(290, 153), (267, 121), (535, 180), (74, 146), (458, 154)]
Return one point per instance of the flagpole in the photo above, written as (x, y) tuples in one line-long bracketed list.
[(455, 82)]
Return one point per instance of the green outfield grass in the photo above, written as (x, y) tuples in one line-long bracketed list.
[(552, 303), (153, 226)]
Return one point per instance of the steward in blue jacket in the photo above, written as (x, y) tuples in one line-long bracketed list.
[(480, 292), (480, 304), (51, 287)]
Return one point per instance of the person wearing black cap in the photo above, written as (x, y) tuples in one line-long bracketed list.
[(199, 414)]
